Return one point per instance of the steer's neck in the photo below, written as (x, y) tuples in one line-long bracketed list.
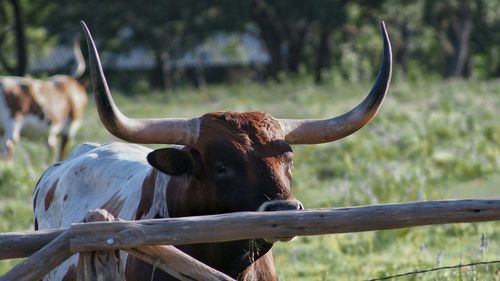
[(238, 259), (244, 259)]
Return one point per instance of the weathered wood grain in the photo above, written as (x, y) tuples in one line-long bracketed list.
[(133, 234), (99, 265), (42, 262), (177, 263), (22, 244), (246, 225), (104, 265)]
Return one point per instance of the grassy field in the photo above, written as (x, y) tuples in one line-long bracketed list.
[(430, 140)]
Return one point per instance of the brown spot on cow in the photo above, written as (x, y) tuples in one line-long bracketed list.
[(147, 195), (114, 205), (20, 100), (34, 106), (49, 197)]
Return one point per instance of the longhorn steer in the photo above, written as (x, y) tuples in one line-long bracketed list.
[(230, 162), (35, 107)]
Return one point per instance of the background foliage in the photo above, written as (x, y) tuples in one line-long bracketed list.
[(447, 38)]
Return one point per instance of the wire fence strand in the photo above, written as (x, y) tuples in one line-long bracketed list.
[(434, 269)]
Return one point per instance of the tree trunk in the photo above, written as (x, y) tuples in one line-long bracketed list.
[(22, 62), (166, 71), (157, 76), (201, 82), (323, 55), (270, 34), (456, 61), (403, 52), (296, 47)]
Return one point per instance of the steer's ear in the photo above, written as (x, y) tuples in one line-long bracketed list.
[(171, 161)]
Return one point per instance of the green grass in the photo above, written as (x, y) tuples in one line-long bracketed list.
[(430, 141)]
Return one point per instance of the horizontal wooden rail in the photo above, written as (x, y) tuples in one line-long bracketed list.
[(42, 262), (23, 244), (246, 225)]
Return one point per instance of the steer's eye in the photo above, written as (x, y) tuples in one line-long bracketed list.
[(220, 170)]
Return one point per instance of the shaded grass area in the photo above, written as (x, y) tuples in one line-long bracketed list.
[(430, 141)]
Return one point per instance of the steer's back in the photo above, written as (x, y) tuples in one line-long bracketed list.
[(107, 176)]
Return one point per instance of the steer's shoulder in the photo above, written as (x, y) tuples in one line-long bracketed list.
[(82, 149)]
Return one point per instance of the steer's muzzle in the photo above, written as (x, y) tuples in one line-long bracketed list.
[(280, 205)]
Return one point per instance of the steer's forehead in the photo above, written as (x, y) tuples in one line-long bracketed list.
[(247, 129)]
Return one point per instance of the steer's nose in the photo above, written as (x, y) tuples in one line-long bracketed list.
[(281, 205)]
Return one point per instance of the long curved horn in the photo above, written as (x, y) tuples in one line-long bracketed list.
[(161, 131), (80, 61), (326, 130)]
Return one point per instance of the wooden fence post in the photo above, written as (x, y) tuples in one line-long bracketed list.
[(99, 265)]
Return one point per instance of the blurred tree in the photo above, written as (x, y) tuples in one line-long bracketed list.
[(404, 20), (454, 22), (283, 26), (329, 17), (21, 33), (288, 28), (485, 40), (430, 36), (16, 24), (167, 28), (445, 33)]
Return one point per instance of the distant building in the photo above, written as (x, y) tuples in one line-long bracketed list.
[(231, 55)]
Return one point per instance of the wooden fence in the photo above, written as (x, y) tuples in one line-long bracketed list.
[(148, 239)]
